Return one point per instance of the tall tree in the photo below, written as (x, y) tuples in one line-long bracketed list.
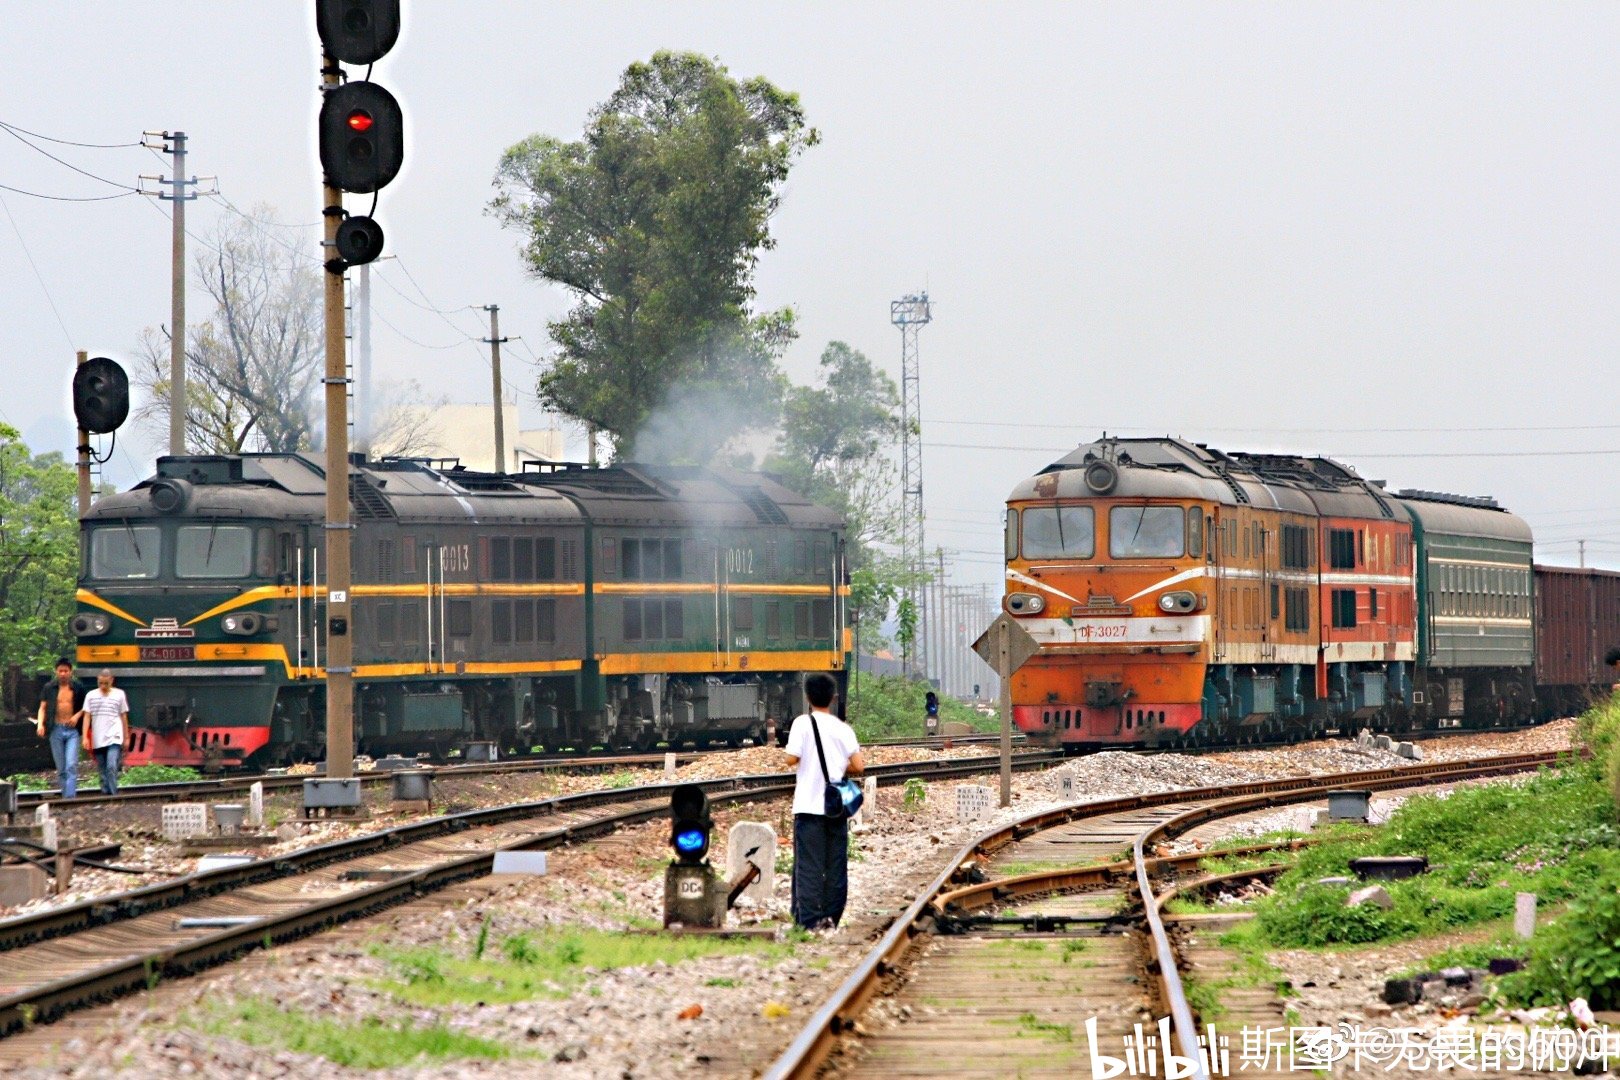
[(654, 221), (837, 447), (837, 441), (252, 367), (39, 554)]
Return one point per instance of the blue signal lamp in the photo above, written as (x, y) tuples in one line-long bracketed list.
[(691, 841)]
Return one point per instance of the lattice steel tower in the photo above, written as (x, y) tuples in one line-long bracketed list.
[(911, 314)]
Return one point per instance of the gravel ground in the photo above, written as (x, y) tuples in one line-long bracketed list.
[(623, 1022), (138, 827)]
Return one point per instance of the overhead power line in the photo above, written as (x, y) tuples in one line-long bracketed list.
[(68, 142), (66, 198)]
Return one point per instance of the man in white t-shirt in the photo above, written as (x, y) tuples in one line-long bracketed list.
[(820, 843), (107, 733)]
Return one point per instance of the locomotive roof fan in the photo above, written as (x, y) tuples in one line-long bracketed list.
[(169, 495)]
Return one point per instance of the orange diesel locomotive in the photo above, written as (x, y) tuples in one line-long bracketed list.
[(1181, 595)]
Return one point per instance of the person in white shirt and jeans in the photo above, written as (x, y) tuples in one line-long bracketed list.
[(107, 733), (820, 843)]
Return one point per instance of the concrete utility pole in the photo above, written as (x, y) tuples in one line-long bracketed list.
[(339, 621), (494, 341), (84, 458), (175, 147)]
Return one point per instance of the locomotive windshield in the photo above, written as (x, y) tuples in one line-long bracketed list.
[(1146, 532), (1067, 532), (213, 551), (125, 552)]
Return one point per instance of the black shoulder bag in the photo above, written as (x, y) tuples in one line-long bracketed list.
[(842, 799)]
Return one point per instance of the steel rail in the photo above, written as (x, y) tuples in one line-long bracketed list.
[(817, 1039), (54, 922), (178, 790)]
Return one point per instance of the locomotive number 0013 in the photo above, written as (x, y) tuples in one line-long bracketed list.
[(455, 558)]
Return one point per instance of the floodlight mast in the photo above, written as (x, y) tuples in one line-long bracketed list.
[(911, 313)]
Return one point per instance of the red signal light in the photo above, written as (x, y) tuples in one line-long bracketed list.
[(360, 120)]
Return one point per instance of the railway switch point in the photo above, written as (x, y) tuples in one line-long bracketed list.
[(752, 843), (334, 797), (1349, 805), (182, 821)]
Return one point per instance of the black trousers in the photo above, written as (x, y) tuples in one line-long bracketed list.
[(820, 868)]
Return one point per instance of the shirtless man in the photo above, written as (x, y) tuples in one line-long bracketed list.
[(61, 709)]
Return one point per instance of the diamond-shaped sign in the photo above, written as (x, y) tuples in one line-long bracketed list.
[(1020, 646)]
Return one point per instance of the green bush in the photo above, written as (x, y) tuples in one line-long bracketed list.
[(1554, 835), (891, 707), (1578, 954)]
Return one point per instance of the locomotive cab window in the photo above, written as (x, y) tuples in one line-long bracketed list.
[(1010, 546), (1195, 532), (213, 551), (124, 552), (1146, 532), (1067, 532)]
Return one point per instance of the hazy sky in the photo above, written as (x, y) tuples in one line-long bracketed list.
[(1383, 232)]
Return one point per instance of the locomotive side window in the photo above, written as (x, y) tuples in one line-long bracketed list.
[(385, 560), (213, 551), (265, 554), (672, 560), (1195, 532), (1296, 547), (610, 554), (1137, 532), (1342, 549), (458, 618), (124, 552), (1011, 545), (500, 622), (742, 612), (387, 623), (500, 558), (1344, 608), (821, 618), (1067, 532), (773, 620), (408, 550)]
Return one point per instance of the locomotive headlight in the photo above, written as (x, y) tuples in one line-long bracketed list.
[(1180, 602), (1025, 603), (244, 624), (91, 624)]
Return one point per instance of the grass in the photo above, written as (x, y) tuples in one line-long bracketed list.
[(370, 1043), (1553, 835), (1503, 944), (890, 707), (158, 774), (31, 781), (1034, 1025), (545, 964)]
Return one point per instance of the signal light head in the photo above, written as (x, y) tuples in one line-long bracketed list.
[(100, 395), (690, 825)]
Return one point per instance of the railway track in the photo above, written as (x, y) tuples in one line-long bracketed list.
[(187, 790), (996, 976), (60, 959)]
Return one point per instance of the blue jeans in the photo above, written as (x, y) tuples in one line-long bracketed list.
[(65, 752), (107, 763)]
